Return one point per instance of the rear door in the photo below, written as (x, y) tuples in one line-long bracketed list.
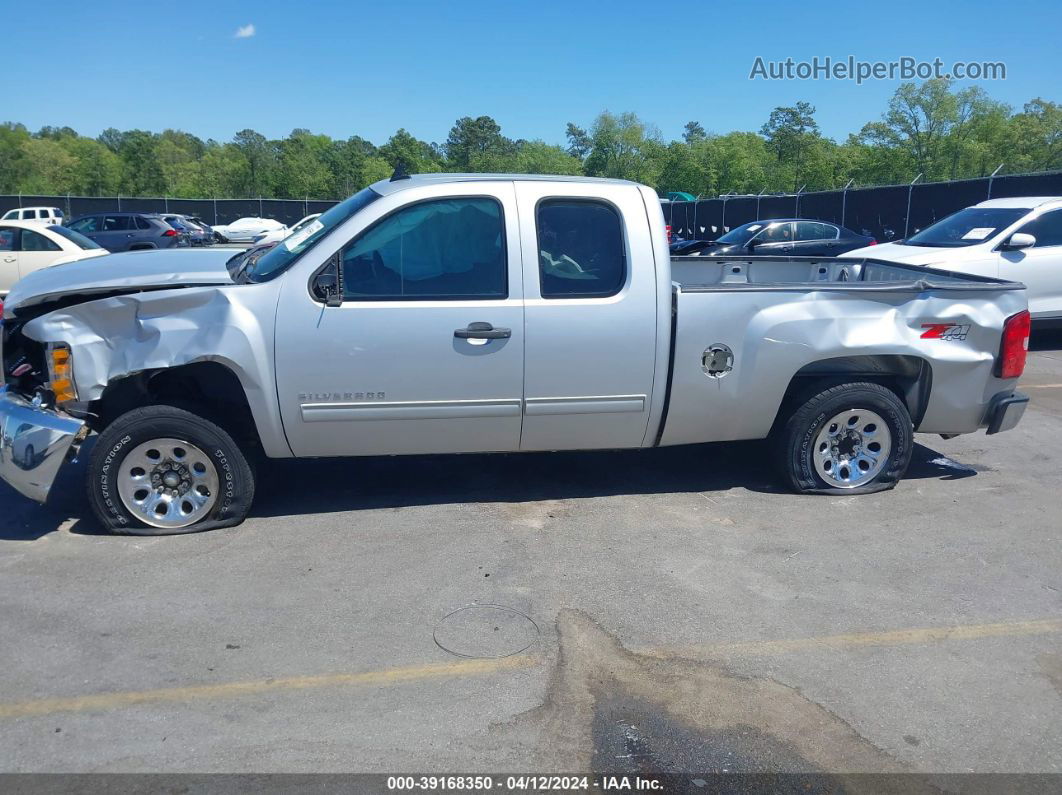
[(590, 317), (117, 232), (8, 257), (814, 239), (1039, 267)]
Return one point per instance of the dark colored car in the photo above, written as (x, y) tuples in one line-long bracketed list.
[(127, 231), (188, 233), (208, 232), (796, 237)]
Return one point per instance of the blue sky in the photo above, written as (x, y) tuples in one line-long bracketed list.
[(350, 67)]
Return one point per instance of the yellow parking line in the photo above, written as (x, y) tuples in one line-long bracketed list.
[(393, 676), (899, 637), (383, 678)]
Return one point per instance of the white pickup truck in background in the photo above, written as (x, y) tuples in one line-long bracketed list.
[(473, 313)]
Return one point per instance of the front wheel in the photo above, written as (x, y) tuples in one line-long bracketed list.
[(849, 439), (160, 470)]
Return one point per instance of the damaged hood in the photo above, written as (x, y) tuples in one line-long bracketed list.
[(117, 274)]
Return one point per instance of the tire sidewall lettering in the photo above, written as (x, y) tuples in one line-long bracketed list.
[(227, 478), (110, 501)]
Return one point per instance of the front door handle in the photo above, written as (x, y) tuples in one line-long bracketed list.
[(482, 331), (9, 259)]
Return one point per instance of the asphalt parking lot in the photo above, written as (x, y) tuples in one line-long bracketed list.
[(665, 610)]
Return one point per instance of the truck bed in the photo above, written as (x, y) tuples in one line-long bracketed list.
[(782, 318), (705, 274)]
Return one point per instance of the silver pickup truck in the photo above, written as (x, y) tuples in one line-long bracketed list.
[(471, 313)]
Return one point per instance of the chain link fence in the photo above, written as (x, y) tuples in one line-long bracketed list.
[(888, 212)]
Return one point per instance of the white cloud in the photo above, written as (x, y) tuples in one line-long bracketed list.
[(244, 32)]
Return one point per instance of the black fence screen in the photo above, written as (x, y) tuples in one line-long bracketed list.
[(738, 210), (936, 200), (881, 212), (708, 220), (776, 207)]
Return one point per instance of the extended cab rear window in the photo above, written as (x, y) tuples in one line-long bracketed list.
[(581, 253)]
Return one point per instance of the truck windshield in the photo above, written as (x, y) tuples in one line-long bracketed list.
[(283, 255), (967, 227)]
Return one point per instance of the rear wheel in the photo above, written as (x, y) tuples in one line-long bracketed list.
[(847, 439), (161, 469)]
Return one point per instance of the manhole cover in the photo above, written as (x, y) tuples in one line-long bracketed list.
[(485, 632)]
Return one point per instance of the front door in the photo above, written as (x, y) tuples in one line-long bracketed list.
[(91, 226), (426, 352), (774, 241), (1039, 267), (8, 257), (591, 316)]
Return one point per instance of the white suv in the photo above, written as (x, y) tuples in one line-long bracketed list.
[(1019, 239), (35, 215)]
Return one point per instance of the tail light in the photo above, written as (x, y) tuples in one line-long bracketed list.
[(170, 233), (668, 228), (1015, 347), (872, 242)]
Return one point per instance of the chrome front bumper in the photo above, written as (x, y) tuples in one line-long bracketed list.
[(33, 444)]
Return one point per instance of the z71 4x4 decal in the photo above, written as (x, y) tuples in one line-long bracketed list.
[(945, 331)]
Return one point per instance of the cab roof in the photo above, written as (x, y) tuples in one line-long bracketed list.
[(387, 186)]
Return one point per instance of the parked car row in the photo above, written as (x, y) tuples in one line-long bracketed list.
[(780, 236)]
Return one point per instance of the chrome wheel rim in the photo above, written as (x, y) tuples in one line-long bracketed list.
[(168, 483), (852, 448)]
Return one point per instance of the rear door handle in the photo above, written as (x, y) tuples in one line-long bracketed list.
[(482, 331)]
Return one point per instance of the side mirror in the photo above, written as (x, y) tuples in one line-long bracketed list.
[(1018, 241), (326, 287), (753, 243)]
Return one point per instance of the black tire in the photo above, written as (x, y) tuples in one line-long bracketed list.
[(235, 476), (794, 440)]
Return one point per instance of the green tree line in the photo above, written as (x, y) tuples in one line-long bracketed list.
[(932, 128)]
